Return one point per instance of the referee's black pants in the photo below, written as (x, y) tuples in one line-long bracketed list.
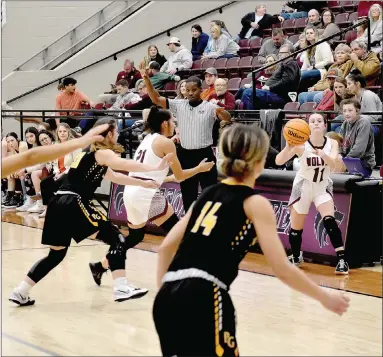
[(190, 159)]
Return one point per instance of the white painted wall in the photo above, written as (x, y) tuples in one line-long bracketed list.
[(32, 25), (154, 18)]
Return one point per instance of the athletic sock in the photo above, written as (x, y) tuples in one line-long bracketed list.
[(24, 288), (340, 254), (120, 282)]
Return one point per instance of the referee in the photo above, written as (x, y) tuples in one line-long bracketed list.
[(195, 120)]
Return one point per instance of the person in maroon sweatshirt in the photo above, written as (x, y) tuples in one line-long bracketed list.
[(222, 97), (129, 73)]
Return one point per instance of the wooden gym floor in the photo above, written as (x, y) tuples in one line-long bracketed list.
[(73, 316)]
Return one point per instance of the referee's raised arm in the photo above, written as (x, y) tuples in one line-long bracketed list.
[(153, 94)]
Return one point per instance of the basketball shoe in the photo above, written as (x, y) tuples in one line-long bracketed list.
[(342, 267), (296, 261), (21, 300)]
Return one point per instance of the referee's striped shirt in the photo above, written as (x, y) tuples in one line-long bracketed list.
[(195, 123)]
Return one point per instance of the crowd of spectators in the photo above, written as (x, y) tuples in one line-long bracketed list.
[(326, 75)]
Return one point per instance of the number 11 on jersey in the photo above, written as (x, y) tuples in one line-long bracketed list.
[(207, 218)]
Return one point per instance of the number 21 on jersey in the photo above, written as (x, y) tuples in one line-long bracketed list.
[(207, 218)]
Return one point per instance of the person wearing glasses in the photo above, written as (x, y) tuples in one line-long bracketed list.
[(274, 93)]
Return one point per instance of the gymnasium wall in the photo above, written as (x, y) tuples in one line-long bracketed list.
[(32, 25)]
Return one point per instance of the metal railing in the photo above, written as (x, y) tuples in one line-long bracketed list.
[(114, 55), (294, 54), (82, 35)]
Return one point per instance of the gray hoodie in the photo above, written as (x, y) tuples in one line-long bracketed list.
[(182, 59), (358, 141)]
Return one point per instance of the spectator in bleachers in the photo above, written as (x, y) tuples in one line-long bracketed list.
[(130, 74), (221, 46), (315, 59), (369, 101), (60, 87), (153, 55), (314, 19), (375, 16), (333, 95), (222, 97), (211, 75), (144, 101), (301, 43), (254, 23), (159, 79), (360, 29), (275, 91), (180, 59), (272, 45), (124, 96), (358, 137), (301, 9), (328, 26), (366, 61), (181, 89), (315, 93), (224, 30), (199, 41), (261, 77), (70, 99)]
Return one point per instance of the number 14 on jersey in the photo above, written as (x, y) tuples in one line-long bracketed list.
[(207, 218)]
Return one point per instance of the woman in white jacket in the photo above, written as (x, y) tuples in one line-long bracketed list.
[(375, 17), (221, 45), (315, 59)]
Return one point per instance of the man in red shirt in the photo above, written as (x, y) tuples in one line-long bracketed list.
[(130, 74), (211, 75), (222, 97), (70, 99)]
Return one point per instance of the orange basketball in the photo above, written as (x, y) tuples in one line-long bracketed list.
[(296, 132)]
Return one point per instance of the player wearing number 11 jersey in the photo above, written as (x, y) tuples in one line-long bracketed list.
[(312, 184)]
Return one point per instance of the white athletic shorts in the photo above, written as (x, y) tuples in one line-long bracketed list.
[(143, 204), (305, 192)]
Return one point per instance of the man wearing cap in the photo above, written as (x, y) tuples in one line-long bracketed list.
[(315, 93), (180, 59), (195, 121), (211, 75), (159, 79)]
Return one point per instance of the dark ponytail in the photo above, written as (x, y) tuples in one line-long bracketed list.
[(356, 76), (156, 117)]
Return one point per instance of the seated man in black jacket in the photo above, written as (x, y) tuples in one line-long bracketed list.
[(302, 8), (254, 23), (276, 90)]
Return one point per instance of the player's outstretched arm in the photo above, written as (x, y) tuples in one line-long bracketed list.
[(48, 153), (125, 180), (110, 159), (259, 210), (170, 245), (179, 174)]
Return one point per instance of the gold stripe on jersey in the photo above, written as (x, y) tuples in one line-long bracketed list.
[(103, 217), (218, 320), (87, 214)]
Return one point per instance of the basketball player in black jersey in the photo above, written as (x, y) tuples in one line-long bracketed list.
[(71, 213), (199, 258)]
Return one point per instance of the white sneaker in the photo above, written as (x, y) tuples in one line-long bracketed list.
[(38, 207), (21, 300), (42, 215), (126, 292), (296, 261), (27, 205)]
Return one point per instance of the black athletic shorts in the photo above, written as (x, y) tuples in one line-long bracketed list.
[(194, 317), (69, 216)]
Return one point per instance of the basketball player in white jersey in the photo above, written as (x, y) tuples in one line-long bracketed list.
[(149, 204), (312, 183)]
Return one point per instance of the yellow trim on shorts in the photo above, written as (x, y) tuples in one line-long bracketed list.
[(86, 213), (217, 294)]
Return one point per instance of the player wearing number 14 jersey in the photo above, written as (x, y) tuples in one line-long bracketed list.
[(312, 184)]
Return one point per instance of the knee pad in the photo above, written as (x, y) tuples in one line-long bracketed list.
[(135, 236), (116, 257), (46, 264), (110, 234), (333, 231), (170, 223)]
